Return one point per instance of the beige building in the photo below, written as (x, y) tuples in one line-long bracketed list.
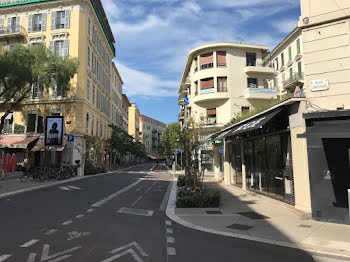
[(150, 132), (125, 112), (134, 122), (68, 28)]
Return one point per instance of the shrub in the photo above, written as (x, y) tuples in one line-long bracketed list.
[(178, 167), (18, 129), (202, 197), (89, 169)]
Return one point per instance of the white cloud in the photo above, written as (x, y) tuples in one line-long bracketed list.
[(284, 26), (137, 83)]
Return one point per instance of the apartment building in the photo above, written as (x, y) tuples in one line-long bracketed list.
[(125, 112), (150, 132), (221, 80), (68, 28), (134, 122), (287, 60)]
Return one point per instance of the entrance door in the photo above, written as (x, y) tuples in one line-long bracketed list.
[(337, 152)]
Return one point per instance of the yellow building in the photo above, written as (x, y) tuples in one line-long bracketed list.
[(77, 29), (134, 122)]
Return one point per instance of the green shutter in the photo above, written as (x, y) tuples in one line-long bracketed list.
[(290, 53), (43, 21), (30, 23)]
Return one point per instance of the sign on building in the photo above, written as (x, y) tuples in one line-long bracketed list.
[(54, 130), (319, 85)]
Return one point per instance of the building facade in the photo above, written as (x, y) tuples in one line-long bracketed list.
[(150, 132), (125, 112), (76, 29), (134, 122)]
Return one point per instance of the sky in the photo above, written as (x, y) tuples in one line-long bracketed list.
[(154, 37)]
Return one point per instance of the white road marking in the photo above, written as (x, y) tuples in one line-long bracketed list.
[(171, 251), (66, 223), (135, 211), (155, 182), (80, 216), (75, 187), (137, 200), (31, 257), (30, 243), (125, 252), (148, 189), (169, 231), (138, 189), (51, 231), (135, 244), (76, 234), (60, 258), (46, 249), (105, 200), (168, 223), (4, 257), (90, 210), (170, 239), (64, 188)]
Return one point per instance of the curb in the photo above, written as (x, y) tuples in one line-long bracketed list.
[(61, 182), (311, 249)]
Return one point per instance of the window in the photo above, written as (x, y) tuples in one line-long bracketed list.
[(8, 124), (31, 121), (37, 90), (291, 73), (88, 57), (207, 61), (87, 123), (97, 127), (251, 59), (211, 114), (196, 88), (195, 64), (221, 58), (89, 27), (290, 53), (276, 63), (252, 82), (222, 84), (60, 19), (88, 90), (283, 78), (298, 46), (101, 129), (282, 59), (245, 109), (59, 47), (207, 83), (92, 125), (300, 71), (93, 94), (36, 23), (40, 125)]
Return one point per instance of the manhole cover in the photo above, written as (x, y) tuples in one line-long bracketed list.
[(134, 211), (253, 215), (213, 212), (240, 227)]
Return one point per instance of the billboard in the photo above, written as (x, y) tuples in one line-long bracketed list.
[(54, 130)]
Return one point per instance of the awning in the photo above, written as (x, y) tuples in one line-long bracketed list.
[(40, 146), (17, 141), (253, 124)]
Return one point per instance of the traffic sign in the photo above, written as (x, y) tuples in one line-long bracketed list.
[(221, 150), (186, 100), (181, 149), (70, 138)]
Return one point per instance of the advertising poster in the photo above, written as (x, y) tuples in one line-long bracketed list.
[(54, 130)]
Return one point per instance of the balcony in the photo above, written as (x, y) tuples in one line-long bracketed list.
[(297, 79), (186, 83), (259, 68), (260, 93), (207, 91), (13, 31), (181, 114)]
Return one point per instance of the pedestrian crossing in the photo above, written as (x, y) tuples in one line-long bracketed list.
[(68, 188)]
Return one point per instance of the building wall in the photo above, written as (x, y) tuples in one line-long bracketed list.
[(150, 130), (134, 122)]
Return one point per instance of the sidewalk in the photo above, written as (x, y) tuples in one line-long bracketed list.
[(254, 217)]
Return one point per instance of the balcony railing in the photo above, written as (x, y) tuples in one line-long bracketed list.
[(208, 65), (12, 31), (207, 90), (293, 80), (211, 121)]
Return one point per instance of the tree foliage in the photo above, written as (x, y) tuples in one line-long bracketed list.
[(21, 67), (170, 138)]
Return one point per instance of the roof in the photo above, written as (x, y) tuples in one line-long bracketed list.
[(126, 99), (212, 46), (151, 120), (17, 141)]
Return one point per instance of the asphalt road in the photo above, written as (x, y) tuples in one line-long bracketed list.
[(115, 217)]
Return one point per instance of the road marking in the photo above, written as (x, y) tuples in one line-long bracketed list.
[(51, 231), (75, 187), (169, 231), (171, 251), (165, 198), (90, 210), (76, 234), (134, 211), (30, 243), (170, 239), (148, 189), (31, 257), (4, 257), (137, 200), (125, 252), (168, 223), (132, 244), (155, 182), (138, 189), (64, 188), (80, 216), (46, 250), (68, 222), (110, 197)]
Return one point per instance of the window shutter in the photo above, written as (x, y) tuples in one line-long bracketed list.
[(40, 90), (52, 46), (54, 90), (207, 83), (1, 23), (43, 21), (206, 58), (30, 23), (221, 57), (67, 18), (65, 50), (53, 20), (9, 22), (211, 111), (18, 22)]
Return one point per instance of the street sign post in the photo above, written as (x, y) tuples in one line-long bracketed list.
[(186, 100)]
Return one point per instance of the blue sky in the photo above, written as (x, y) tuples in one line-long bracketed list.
[(153, 38)]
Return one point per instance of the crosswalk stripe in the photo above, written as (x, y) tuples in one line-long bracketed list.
[(74, 187), (30, 243), (64, 188), (4, 257)]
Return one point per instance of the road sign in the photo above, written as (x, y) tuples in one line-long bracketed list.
[(221, 150), (186, 100), (181, 149), (70, 138)]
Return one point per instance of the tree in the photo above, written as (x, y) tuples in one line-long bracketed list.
[(22, 67), (170, 138)]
